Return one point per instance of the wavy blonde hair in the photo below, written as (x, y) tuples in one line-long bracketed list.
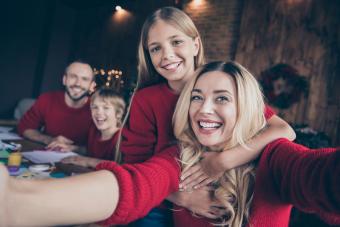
[(147, 75), (234, 189)]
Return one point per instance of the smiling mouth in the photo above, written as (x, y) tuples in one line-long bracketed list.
[(209, 125), (100, 121), (171, 66)]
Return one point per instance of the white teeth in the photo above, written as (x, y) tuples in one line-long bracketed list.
[(172, 66), (209, 124)]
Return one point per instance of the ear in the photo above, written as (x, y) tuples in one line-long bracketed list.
[(64, 80), (196, 45), (92, 87)]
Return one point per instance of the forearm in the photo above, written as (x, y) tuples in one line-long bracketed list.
[(37, 136), (239, 155), (75, 200), (174, 198)]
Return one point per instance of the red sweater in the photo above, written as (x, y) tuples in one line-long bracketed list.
[(149, 129), (101, 149), (51, 112), (287, 174)]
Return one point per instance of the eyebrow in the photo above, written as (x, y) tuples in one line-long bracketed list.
[(155, 43), (215, 91)]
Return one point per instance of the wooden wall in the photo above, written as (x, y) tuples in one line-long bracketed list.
[(262, 33), (305, 35)]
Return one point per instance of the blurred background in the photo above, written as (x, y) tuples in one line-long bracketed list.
[(291, 46), (38, 38)]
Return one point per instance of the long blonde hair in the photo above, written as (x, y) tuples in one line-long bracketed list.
[(147, 75), (235, 188)]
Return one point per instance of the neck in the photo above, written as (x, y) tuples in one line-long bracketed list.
[(108, 133), (176, 86), (75, 104)]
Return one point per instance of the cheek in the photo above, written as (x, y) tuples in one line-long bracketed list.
[(230, 117), (154, 58), (192, 112)]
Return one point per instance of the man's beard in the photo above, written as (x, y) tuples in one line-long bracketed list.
[(76, 99)]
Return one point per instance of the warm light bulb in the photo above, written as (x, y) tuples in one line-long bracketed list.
[(118, 8)]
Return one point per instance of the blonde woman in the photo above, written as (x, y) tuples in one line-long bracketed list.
[(212, 113)]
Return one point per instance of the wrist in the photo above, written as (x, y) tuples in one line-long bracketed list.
[(178, 198), (223, 161)]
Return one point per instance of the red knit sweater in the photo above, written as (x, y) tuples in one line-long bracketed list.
[(101, 149), (51, 112), (287, 174), (149, 129)]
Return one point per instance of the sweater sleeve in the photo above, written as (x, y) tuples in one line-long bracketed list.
[(307, 178), (268, 112), (139, 134), (34, 117), (143, 186)]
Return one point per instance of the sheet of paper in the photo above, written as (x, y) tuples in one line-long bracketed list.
[(9, 136), (5, 129), (39, 157)]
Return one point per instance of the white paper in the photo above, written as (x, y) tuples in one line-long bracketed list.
[(5, 129), (9, 136), (39, 157)]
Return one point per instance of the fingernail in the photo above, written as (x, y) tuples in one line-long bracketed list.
[(180, 185), (195, 187)]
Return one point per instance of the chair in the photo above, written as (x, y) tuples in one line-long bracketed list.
[(23, 105)]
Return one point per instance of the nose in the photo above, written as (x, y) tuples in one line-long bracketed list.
[(207, 107), (168, 52)]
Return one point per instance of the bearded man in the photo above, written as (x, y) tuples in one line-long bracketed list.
[(62, 117)]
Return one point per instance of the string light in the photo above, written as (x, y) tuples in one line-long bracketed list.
[(110, 78)]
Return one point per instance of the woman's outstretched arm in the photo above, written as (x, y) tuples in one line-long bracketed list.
[(119, 194), (80, 199)]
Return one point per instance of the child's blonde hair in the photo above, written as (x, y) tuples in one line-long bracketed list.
[(110, 96), (147, 74)]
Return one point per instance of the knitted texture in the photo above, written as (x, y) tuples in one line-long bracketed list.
[(51, 112)]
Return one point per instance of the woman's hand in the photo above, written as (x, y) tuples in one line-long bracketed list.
[(213, 164), (199, 202), (4, 184), (62, 147), (81, 161), (206, 171)]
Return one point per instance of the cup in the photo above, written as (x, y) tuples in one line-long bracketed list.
[(14, 161)]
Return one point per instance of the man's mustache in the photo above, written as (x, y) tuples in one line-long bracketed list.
[(75, 86)]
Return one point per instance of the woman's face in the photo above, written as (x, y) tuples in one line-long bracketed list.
[(172, 53), (103, 114), (212, 109)]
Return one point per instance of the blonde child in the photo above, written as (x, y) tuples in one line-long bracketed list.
[(107, 110)]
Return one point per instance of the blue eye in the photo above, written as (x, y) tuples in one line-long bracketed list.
[(196, 98), (177, 42), (222, 99), (154, 49)]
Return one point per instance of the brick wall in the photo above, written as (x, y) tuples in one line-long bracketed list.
[(218, 24), (260, 34)]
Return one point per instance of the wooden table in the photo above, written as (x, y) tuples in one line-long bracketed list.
[(68, 169)]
